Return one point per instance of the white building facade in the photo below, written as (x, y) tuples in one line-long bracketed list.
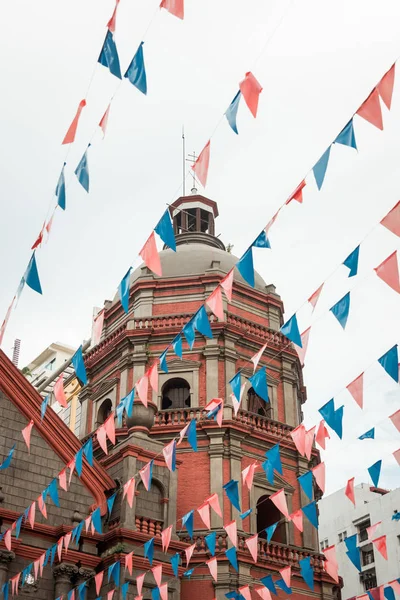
[(340, 519)]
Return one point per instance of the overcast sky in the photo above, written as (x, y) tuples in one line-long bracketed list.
[(322, 62)]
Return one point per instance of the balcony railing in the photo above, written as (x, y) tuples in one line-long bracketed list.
[(150, 526)]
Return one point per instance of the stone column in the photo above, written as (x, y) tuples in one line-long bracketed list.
[(83, 575), (5, 558), (216, 451), (64, 578), (235, 440), (211, 353), (290, 400), (124, 365)]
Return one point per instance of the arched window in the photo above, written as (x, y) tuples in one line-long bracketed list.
[(149, 503), (268, 514), (257, 405), (104, 411), (175, 394)]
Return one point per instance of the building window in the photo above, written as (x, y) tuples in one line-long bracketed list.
[(367, 557), (342, 536), (268, 514), (175, 394), (369, 580), (204, 221), (256, 405), (362, 530), (50, 365), (324, 544), (191, 219), (104, 411)]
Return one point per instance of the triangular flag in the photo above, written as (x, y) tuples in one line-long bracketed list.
[(349, 491), (31, 514), (231, 530), (385, 86), (368, 435), (388, 271), (269, 584), (215, 303), (297, 519), (213, 501), (396, 454), (232, 491), (309, 440), (98, 579), (346, 137), (263, 593), (375, 471), (129, 490), (142, 388), (392, 220), (341, 309), (306, 482), (395, 418), (371, 530), (70, 135), (111, 26), (152, 374), (259, 383), (102, 438), (166, 538), (104, 119), (252, 544), (109, 426), (157, 574), (175, 7), (165, 230), (39, 239), (139, 583), (297, 194), (245, 267), (279, 499), (390, 362), (313, 299), (226, 283), (251, 91), (331, 565), (231, 555), (136, 72), (245, 592), (5, 322), (351, 262), (286, 575), (31, 276), (204, 512), (188, 522), (150, 256), (319, 474), (370, 110), (319, 169), (298, 436), (231, 112), (26, 434), (200, 167), (248, 475), (310, 511), (210, 541), (62, 478), (42, 506), (380, 545), (169, 452), (146, 474), (356, 388), (82, 171), (189, 552), (301, 351), (273, 455), (149, 551), (59, 393), (256, 358), (213, 566), (291, 330), (109, 55), (123, 290), (235, 384), (97, 327), (322, 435)]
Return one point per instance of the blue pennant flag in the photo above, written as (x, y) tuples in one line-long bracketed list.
[(70, 593), (109, 55), (202, 323), (82, 590), (270, 531), (333, 418), (82, 171), (310, 511), (234, 596), (136, 72), (46, 557), (389, 593), (246, 268), (274, 456), (396, 516), (307, 572), (259, 383), (236, 384), (306, 482), (231, 112), (341, 309), (53, 492), (88, 451), (114, 572), (79, 462), (189, 333), (18, 524), (351, 262), (211, 540), (232, 491), (163, 361), (149, 550), (110, 503), (389, 361), (368, 435), (52, 554), (246, 514), (375, 471), (320, 167), (187, 521), (166, 231), (124, 590), (346, 137), (231, 555), (282, 586), (7, 461), (155, 594), (269, 471), (188, 573), (261, 241), (31, 276), (269, 584), (123, 290), (60, 190), (78, 532), (43, 407), (191, 434), (175, 561), (96, 520), (353, 552), (4, 589), (128, 402), (291, 331), (79, 366)]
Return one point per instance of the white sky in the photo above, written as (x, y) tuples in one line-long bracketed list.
[(320, 65)]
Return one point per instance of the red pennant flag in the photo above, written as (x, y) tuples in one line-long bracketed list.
[(142, 388), (62, 477), (392, 220), (372, 530), (251, 91), (31, 514), (200, 167), (150, 256), (98, 579), (213, 501), (59, 393), (313, 299), (102, 438), (380, 545), (139, 583), (39, 238), (226, 284), (356, 388), (175, 7), (231, 530), (97, 327), (286, 575), (309, 439), (49, 224), (109, 426), (152, 374), (214, 302), (349, 491), (388, 271), (42, 506), (395, 418), (279, 499), (385, 86), (319, 474), (331, 565), (157, 574), (213, 566), (104, 119), (4, 324), (322, 435), (129, 491), (111, 26), (189, 552), (297, 194), (298, 436), (301, 352), (70, 135), (370, 110), (128, 562), (166, 538), (26, 434), (252, 544), (204, 512)]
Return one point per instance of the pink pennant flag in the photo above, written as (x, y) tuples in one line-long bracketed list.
[(102, 438), (72, 595), (175, 7), (62, 477), (71, 467), (26, 434), (392, 220), (110, 595), (272, 221), (313, 299), (279, 499), (67, 540), (301, 352), (309, 440), (145, 475), (150, 256), (380, 545), (142, 388), (200, 167), (298, 436), (6, 319), (395, 585), (31, 514), (36, 569), (41, 563), (42, 506), (370, 110), (213, 501), (157, 574), (319, 474), (356, 388), (128, 562), (152, 375), (49, 224), (189, 552), (88, 521), (168, 452), (213, 566), (286, 575), (245, 591), (14, 584), (215, 304), (248, 475), (297, 194), (226, 283), (111, 25), (59, 548), (395, 418), (139, 583), (138, 597), (182, 434), (331, 565), (70, 135), (297, 519), (322, 435), (166, 538), (388, 271), (251, 91), (252, 544), (7, 539), (97, 327), (349, 491), (163, 589), (109, 426), (59, 393), (231, 530), (236, 403), (371, 530), (263, 592), (396, 454), (256, 358), (204, 512), (385, 86), (129, 490)]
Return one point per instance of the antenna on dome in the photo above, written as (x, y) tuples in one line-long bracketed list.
[(183, 161), (192, 158)]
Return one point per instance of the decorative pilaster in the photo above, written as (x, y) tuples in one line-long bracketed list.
[(64, 578), (216, 452)]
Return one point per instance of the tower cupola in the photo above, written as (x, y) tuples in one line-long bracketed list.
[(194, 220)]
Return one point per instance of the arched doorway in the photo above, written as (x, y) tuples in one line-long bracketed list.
[(267, 515), (175, 394), (104, 411)]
